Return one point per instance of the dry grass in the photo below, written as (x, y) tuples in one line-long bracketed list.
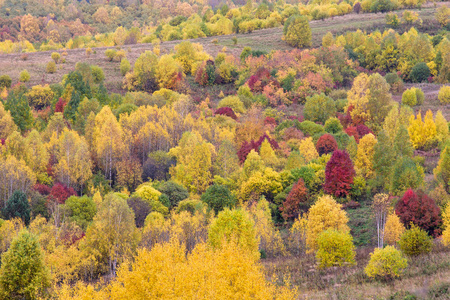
[(424, 275)]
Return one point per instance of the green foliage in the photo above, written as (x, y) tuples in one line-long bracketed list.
[(174, 191), (23, 274), (17, 206), (406, 174), (110, 54), (218, 197), (392, 20), (234, 226), (413, 96), (415, 241), (5, 81), (190, 205), (319, 108), (51, 67), (125, 66), (420, 72), (335, 248), (56, 57), (24, 76), (233, 102), (81, 210), (386, 263), (296, 31), (97, 74)]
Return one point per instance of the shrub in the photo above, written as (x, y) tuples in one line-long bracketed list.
[(333, 125), (420, 72), (310, 128), (406, 174), (443, 15), (110, 54), (339, 173), (175, 192), (295, 201), (40, 96), (24, 76), (409, 98), (395, 82), (190, 205), (319, 108), (335, 248), (386, 263), (392, 20), (420, 210), (5, 81), (444, 94), (88, 51), (326, 144), (296, 31), (51, 67), (56, 57), (234, 102), (81, 210), (415, 241), (218, 197), (60, 193), (226, 111), (125, 66), (97, 74)]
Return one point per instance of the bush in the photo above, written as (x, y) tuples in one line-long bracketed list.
[(125, 66), (392, 20), (97, 74), (415, 241), (335, 248), (395, 82), (444, 94), (326, 144), (56, 57), (110, 54), (296, 31), (24, 76), (51, 67), (218, 197), (5, 81), (413, 96), (174, 191), (81, 210), (310, 128), (386, 263), (333, 125), (226, 111), (319, 108), (234, 102), (295, 201), (190, 205), (420, 72)]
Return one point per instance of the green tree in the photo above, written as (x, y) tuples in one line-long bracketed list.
[(81, 210), (382, 161), (335, 248), (23, 274), (218, 197), (442, 171), (176, 192), (319, 108), (415, 241), (17, 206), (296, 31)]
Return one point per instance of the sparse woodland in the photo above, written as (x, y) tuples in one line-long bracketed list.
[(309, 173)]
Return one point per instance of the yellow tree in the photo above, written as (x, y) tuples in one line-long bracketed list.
[(108, 141), (325, 214), (36, 155), (308, 150), (441, 126), (7, 125), (423, 134), (74, 161), (167, 72), (364, 155), (393, 229), (194, 161), (446, 225)]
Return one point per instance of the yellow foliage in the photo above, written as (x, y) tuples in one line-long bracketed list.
[(326, 213), (393, 229), (423, 135), (364, 155), (308, 150), (446, 223), (8, 231)]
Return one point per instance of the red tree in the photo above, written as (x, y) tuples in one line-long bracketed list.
[(363, 130), (419, 209), (295, 201), (42, 189), (326, 144), (351, 131), (226, 111), (59, 106), (61, 192), (339, 174)]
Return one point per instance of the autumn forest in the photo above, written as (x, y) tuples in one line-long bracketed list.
[(212, 149)]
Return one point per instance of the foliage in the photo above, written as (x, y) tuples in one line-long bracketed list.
[(51, 67), (413, 97), (17, 206), (444, 94), (325, 214), (296, 31), (319, 108), (24, 76), (233, 102), (339, 173), (5, 81), (420, 72), (23, 274), (423, 134), (81, 210), (296, 201), (415, 241), (365, 154), (442, 170), (218, 197), (419, 209), (174, 191), (446, 225), (393, 229), (335, 248), (406, 174), (386, 263), (234, 226)]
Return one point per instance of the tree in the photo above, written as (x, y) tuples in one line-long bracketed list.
[(218, 197), (325, 214), (308, 150), (7, 125), (442, 170), (23, 274), (81, 210), (423, 134), (335, 248), (167, 72), (17, 206), (405, 174), (24, 76), (319, 108), (446, 225), (381, 203), (326, 144), (296, 31), (415, 241), (141, 209), (234, 226), (295, 201), (386, 263), (420, 72), (443, 15), (393, 229), (113, 236), (444, 94), (419, 209), (364, 155), (383, 157), (339, 173)]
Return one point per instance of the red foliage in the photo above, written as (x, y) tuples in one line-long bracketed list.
[(293, 133), (326, 144), (339, 174), (226, 111), (245, 149), (42, 189), (300, 119), (362, 130), (352, 131), (419, 209), (295, 201), (61, 192), (270, 121), (59, 106), (272, 142), (261, 78)]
